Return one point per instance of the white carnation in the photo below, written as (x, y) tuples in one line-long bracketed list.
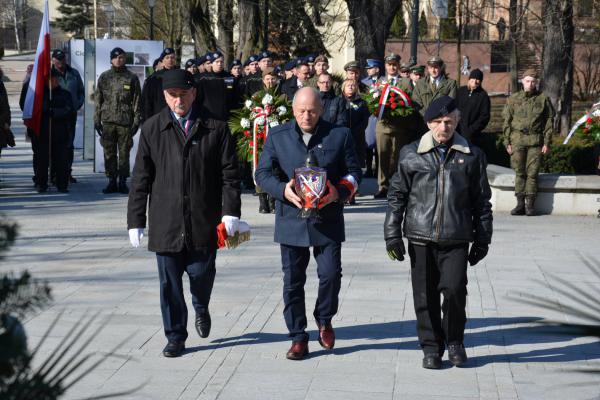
[(375, 94), (245, 123), (248, 104), (267, 99), (260, 120), (281, 110)]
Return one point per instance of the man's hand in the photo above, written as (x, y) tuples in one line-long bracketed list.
[(395, 249), (290, 194), (231, 224), (135, 236), (545, 149), (331, 195), (509, 149), (478, 252), (98, 128)]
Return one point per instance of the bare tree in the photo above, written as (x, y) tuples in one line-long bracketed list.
[(226, 23), (587, 73), (371, 21), (249, 27), (557, 59), (199, 20)]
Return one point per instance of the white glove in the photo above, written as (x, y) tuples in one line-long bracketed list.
[(231, 224), (135, 236)]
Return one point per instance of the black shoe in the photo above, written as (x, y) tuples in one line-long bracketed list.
[(72, 179), (272, 204), (368, 174), (41, 188), (381, 194), (174, 349), (457, 354), (123, 186), (203, 324), (263, 203), (111, 187), (432, 361)]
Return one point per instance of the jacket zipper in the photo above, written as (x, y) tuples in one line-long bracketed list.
[(438, 229)]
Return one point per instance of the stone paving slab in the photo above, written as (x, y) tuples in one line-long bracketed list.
[(78, 243)]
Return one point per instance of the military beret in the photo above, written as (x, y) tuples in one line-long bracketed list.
[(301, 61), (290, 65), (352, 65), (177, 79), (116, 52), (235, 63), (310, 58), (440, 107), (264, 54), (58, 54), (476, 74), (215, 54), (155, 63), (530, 72), (168, 50), (252, 58), (190, 63), (206, 58), (418, 69), (373, 63), (392, 58), (278, 69), (435, 61)]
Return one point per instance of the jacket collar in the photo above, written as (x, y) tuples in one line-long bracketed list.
[(459, 143), (167, 119)]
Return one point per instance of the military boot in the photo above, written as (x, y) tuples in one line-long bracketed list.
[(111, 187), (530, 205), (263, 203), (123, 185), (271, 204), (520, 208)]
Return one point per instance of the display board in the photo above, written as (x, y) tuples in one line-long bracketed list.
[(139, 57)]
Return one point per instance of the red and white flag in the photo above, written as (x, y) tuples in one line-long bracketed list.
[(32, 112)]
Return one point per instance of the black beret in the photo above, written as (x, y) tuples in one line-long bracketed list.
[(439, 107), (290, 65), (116, 52), (310, 58), (58, 54), (190, 63), (252, 58), (167, 51), (215, 54), (264, 54), (234, 63), (476, 74), (207, 57), (177, 79), (301, 61)]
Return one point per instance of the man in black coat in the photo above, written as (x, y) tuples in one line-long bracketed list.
[(153, 100), (217, 91), (441, 197), (298, 81), (474, 105), (334, 107), (187, 167), (287, 147)]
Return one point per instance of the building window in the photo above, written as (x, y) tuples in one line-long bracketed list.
[(500, 57), (585, 8)]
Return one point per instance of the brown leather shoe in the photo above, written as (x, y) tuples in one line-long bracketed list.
[(326, 336), (298, 351)]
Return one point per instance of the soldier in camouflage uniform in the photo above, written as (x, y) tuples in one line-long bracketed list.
[(527, 128), (117, 118), (434, 86)]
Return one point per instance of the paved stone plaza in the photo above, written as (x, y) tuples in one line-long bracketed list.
[(79, 243)]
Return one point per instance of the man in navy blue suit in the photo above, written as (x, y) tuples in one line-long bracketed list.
[(287, 147)]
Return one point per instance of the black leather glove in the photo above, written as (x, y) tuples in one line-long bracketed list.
[(98, 128), (478, 252), (395, 249), (134, 130)]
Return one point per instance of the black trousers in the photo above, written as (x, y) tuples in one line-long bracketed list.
[(294, 262), (439, 270), (59, 163), (200, 268)]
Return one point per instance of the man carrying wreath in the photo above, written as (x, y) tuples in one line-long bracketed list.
[(287, 147)]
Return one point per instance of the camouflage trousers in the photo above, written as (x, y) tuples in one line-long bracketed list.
[(526, 161), (117, 142), (389, 142)]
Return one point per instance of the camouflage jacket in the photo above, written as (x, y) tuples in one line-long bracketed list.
[(117, 98), (424, 93), (528, 119)]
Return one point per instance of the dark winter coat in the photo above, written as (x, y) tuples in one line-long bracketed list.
[(334, 108), (190, 182), (474, 109), (218, 94), (284, 150), (358, 118), (442, 202)]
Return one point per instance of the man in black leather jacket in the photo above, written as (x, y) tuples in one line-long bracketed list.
[(441, 194)]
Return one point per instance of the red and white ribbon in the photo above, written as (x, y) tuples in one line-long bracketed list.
[(255, 131), (387, 88)]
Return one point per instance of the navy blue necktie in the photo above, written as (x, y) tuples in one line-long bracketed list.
[(442, 150)]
